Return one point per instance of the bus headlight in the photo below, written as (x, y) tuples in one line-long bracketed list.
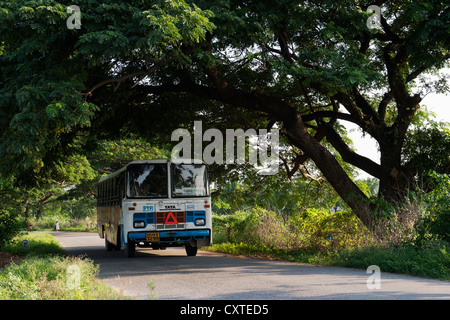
[(139, 224), (200, 222)]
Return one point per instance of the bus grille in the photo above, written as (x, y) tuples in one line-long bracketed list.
[(163, 220), (169, 226), (163, 217)]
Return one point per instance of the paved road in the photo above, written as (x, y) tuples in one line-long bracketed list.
[(218, 276)]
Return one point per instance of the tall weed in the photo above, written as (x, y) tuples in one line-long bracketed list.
[(313, 228), (46, 278), (45, 274)]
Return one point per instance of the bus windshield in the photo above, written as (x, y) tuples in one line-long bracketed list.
[(189, 180), (147, 180)]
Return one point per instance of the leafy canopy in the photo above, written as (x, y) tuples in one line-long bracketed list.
[(48, 71), (146, 67)]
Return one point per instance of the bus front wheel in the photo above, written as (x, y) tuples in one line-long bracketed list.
[(190, 250)]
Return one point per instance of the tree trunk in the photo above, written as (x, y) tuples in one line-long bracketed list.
[(331, 169), (393, 181)]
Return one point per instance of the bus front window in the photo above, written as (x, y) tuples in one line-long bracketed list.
[(148, 181), (189, 180)]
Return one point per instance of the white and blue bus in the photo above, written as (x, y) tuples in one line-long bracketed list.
[(157, 204)]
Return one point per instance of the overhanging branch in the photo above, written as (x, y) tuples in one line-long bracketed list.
[(328, 114), (349, 155), (118, 81)]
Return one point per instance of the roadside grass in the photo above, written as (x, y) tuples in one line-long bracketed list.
[(67, 229), (46, 274), (432, 262), (330, 239), (74, 225), (39, 243)]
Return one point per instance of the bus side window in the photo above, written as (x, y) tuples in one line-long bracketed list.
[(121, 194), (107, 193), (110, 192), (113, 192), (103, 194), (116, 191), (100, 194)]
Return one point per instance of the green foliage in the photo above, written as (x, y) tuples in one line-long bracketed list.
[(329, 229), (372, 186), (31, 203), (73, 170), (138, 69), (39, 244), (419, 217), (44, 67), (432, 261), (45, 278), (113, 154), (234, 227), (435, 223), (276, 193), (67, 193), (43, 274), (305, 238), (319, 229), (10, 224), (427, 148)]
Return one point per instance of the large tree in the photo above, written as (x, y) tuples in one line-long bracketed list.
[(149, 66)]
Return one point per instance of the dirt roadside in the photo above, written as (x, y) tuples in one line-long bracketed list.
[(7, 258)]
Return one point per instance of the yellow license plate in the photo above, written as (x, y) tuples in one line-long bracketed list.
[(152, 236)]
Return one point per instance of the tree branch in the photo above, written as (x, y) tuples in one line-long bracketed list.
[(349, 155), (328, 114), (298, 161), (413, 75), (388, 96), (118, 81)]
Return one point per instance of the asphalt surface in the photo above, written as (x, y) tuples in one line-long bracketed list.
[(215, 276)]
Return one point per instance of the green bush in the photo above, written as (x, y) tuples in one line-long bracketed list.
[(431, 261), (10, 225), (323, 229), (52, 278), (435, 223), (312, 228), (235, 227), (340, 239), (47, 223), (46, 274), (38, 244)]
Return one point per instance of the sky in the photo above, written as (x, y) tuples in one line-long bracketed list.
[(367, 146)]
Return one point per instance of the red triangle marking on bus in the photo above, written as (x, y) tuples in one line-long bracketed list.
[(170, 219)]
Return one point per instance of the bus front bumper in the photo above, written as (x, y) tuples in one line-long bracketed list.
[(172, 236)]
